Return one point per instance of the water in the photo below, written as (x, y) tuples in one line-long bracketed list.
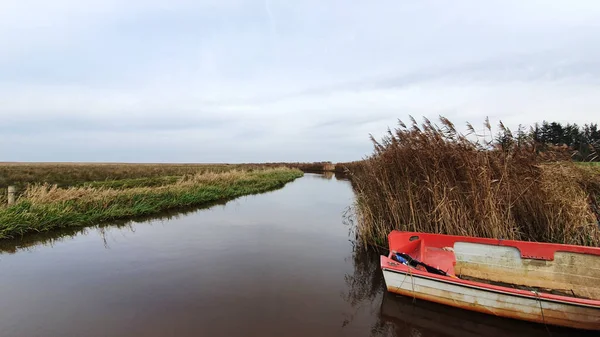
[(275, 264)]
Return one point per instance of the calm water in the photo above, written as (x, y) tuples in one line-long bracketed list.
[(275, 264)]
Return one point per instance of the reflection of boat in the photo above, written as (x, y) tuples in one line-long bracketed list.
[(538, 282), (429, 319), (328, 175)]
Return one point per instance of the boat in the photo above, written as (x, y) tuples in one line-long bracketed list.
[(552, 284)]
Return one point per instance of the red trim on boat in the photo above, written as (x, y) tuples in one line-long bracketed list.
[(529, 250)]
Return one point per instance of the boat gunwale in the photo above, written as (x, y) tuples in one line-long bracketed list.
[(545, 247)]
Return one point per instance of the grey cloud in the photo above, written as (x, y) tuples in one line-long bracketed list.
[(549, 66), (352, 119), (555, 65), (292, 81)]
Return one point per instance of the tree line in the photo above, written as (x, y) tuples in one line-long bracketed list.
[(583, 141)]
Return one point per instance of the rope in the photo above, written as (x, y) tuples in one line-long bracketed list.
[(412, 279), (412, 282), (537, 295)]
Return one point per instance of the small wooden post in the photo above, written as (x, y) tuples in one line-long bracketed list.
[(11, 195)]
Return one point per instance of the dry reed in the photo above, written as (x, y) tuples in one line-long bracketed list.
[(429, 178)]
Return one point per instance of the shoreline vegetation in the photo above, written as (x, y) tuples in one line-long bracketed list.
[(430, 178), (541, 185), (44, 206)]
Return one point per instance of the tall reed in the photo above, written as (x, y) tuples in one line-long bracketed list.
[(430, 178)]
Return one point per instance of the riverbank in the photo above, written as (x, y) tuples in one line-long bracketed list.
[(44, 207)]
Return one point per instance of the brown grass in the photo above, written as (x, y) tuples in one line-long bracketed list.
[(428, 178), (77, 174), (47, 193), (70, 174)]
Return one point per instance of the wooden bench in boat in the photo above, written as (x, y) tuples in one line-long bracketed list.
[(567, 273)]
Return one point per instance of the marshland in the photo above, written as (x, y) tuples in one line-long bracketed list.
[(541, 184), (63, 195), (161, 248)]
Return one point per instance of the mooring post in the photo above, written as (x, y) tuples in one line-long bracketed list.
[(11, 195)]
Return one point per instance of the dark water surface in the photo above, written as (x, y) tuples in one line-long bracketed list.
[(275, 264)]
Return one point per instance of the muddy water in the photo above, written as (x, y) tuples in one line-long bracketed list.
[(275, 264)]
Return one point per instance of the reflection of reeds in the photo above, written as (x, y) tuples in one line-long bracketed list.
[(366, 281), (42, 207), (51, 238), (60, 234), (365, 285), (316, 167), (427, 178)]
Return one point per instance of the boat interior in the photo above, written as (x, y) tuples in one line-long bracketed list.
[(564, 270)]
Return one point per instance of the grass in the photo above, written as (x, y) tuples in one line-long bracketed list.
[(427, 178), (127, 175), (595, 164), (133, 182), (42, 207), (73, 174)]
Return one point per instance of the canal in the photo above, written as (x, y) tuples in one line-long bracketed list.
[(281, 263)]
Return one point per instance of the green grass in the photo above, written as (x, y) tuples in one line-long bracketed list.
[(44, 208), (590, 163), (133, 182)]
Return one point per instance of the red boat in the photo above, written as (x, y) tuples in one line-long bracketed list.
[(539, 282)]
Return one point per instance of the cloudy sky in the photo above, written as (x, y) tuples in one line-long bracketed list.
[(280, 80)]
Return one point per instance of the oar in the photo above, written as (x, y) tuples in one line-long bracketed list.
[(414, 263)]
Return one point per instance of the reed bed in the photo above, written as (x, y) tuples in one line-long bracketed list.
[(42, 207), (430, 178)]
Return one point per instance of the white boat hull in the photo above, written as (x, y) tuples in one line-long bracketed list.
[(504, 304)]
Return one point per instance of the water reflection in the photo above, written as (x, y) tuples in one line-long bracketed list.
[(329, 175), (366, 281), (50, 238), (54, 236), (366, 289), (420, 318)]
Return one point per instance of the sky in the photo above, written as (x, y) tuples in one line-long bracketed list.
[(269, 81)]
